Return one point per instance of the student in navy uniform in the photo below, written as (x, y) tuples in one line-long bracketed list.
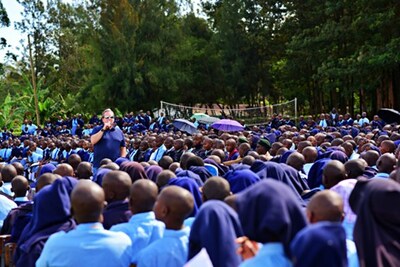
[(116, 186)]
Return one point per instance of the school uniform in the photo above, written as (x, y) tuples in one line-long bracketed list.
[(143, 229), (171, 250), (88, 245)]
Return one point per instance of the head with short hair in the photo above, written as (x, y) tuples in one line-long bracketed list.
[(355, 168), (333, 173), (173, 205), (184, 159), (105, 161), (165, 162), (8, 172), (19, 167), (302, 145), (116, 186), (143, 195), (296, 160), (174, 166), (370, 156), (74, 161), (219, 153), (230, 145), (87, 202), (84, 170), (20, 186), (310, 154), (64, 169), (325, 205), (216, 188), (248, 160), (387, 146), (386, 163), (194, 161), (244, 148), (164, 177), (45, 179)]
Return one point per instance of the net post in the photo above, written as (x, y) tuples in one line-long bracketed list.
[(295, 110)]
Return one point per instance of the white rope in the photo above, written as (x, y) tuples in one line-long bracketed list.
[(163, 103)]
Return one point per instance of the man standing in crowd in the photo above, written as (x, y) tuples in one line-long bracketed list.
[(108, 140)]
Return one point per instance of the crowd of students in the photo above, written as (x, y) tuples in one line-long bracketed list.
[(321, 193)]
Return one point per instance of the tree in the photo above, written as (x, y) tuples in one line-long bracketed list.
[(4, 22)]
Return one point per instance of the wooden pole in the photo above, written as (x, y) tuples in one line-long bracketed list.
[(35, 95)]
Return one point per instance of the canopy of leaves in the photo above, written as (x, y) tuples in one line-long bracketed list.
[(130, 54)]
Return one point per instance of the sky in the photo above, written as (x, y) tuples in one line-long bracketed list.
[(13, 36)]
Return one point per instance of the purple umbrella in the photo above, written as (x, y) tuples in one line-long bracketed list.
[(227, 125), (185, 126)]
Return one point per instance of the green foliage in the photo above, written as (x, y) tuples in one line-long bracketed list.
[(131, 54)]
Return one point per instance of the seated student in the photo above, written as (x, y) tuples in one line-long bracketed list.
[(46, 220), (241, 179), (310, 154), (163, 178), (326, 239), (216, 228), (165, 162), (377, 230), (385, 164), (84, 170), (19, 167), (333, 172), (134, 169), (153, 171), (64, 169), (19, 217), (196, 165), (215, 188), (173, 205), (20, 188), (344, 189), (191, 186), (8, 172), (74, 160), (6, 205), (270, 214), (142, 228), (89, 244), (116, 185)]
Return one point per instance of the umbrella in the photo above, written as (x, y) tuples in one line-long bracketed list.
[(389, 115), (199, 116), (185, 126), (227, 125), (208, 120)]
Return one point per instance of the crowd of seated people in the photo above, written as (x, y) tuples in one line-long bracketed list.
[(278, 194)]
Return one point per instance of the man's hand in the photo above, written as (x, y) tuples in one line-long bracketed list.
[(107, 126)]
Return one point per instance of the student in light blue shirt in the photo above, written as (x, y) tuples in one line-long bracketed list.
[(6, 205), (173, 205), (89, 244), (326, 207), (7, 174), (159, 152), (142, 228), (385, 165)]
